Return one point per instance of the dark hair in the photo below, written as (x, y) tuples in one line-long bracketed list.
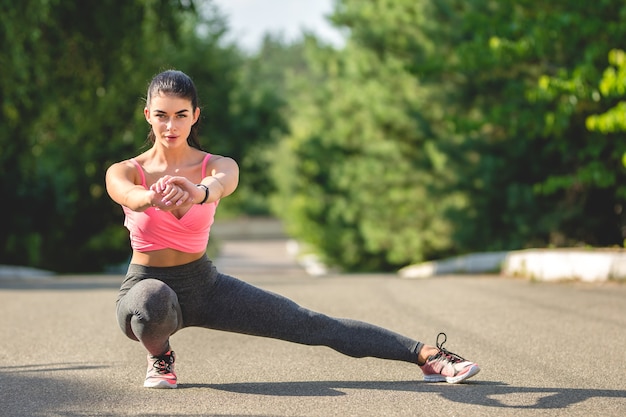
[(178, 84)]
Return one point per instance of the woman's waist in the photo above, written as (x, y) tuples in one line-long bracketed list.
[(164, 258)]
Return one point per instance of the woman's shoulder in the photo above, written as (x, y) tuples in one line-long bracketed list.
[(220, 160), (212, 157), (125, 168)]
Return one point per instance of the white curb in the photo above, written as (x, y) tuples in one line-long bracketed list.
[(570, 264)]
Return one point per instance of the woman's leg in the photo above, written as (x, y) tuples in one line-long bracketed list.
[(149, 312), (154, 303), (240, 307)]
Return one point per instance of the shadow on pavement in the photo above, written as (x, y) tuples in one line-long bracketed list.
[(488, 394), (26, 392)]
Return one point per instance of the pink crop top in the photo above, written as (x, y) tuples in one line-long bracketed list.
[(154, 229)]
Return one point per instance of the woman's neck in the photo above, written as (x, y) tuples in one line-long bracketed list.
[(179, 157)]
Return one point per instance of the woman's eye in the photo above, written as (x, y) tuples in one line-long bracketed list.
[(164, 116)]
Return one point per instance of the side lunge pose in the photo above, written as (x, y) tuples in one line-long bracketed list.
[(169, 195)]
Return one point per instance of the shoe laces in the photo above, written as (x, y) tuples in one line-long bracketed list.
[(163, 364), (445, 354)]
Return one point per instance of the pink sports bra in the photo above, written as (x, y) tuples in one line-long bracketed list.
[(154, 229)]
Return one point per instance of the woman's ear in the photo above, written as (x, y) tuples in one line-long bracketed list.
[(196, 115), (146, 113)]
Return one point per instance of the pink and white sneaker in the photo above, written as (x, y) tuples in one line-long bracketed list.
[(445, 366), (160, 372)]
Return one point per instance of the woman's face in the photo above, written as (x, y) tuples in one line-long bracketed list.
[(171, 119)]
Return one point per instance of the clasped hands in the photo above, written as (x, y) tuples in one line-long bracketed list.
[(171, 192)]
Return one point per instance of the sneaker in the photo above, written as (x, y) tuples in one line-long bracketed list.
[(447, 366), (160, 372)]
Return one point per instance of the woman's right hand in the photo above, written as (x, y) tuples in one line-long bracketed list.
[(168, 196)]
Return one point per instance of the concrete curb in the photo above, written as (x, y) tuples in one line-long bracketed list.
[(488, 262), (587, 265), (573, 264)]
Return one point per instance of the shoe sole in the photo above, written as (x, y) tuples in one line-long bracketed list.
[(474, 369), (160, 385)]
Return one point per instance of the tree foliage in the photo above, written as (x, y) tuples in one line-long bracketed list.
[(612, 87), (442, 127), (357, 159), (69, 85), (465, 120), (73, 80)]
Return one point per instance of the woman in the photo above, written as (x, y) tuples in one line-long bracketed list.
[(169, 195)]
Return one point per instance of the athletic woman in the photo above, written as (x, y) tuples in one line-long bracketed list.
[(169, 195)]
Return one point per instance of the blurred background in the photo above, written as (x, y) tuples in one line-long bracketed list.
[(402, 131)]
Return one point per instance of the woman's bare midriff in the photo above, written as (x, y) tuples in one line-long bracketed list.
[(164, 257)]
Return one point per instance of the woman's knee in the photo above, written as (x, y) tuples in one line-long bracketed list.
[(149, 289), (150, 301)]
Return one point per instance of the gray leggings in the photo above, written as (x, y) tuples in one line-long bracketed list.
[(155, 302)]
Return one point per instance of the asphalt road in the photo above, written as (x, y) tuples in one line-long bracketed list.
[(544, 349)]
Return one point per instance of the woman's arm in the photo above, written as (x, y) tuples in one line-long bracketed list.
[(223, 177), (121, 186)]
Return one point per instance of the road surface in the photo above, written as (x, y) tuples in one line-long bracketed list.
[(545, 349)]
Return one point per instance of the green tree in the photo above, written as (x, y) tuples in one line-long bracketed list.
[(257, 119), (500, 94), (612, 122), (71, 82), (533, 174), (357, 172), (73, 85), (612, 87), (544, 178)]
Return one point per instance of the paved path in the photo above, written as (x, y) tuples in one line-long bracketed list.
[(545, 349)]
